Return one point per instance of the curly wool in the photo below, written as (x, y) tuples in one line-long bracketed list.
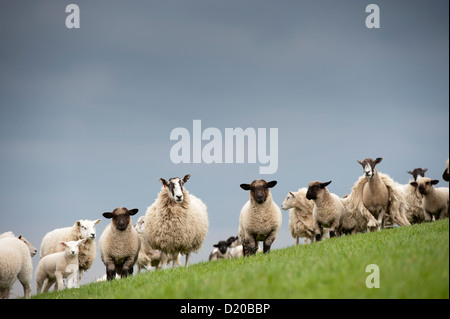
[(172, 227)]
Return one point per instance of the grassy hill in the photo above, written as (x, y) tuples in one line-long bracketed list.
[(413, 263)]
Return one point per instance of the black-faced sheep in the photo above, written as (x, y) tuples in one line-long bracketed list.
[(176, 222), (15, 263), (221, 251), (435, 200), (119, 243), (260, 218)]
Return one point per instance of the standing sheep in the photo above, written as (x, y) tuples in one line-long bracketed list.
[(435, 200), (54, 267), (415, 212), (15, 263), (301, 223), (119, 243), (260, 218), (81, 229), (176, 222), (328, 209)]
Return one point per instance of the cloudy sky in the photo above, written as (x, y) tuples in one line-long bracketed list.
[(86, 114)]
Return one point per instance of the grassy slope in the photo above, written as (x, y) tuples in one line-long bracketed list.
[(413, 262)]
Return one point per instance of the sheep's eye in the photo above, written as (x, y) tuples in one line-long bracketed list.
[(83, 227), (428, 183)]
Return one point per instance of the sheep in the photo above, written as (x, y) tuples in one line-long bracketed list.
[(415, 213), (435, 200), (260, 218), (81, 229), (221, 251), (15, 263), (301, 222), (376, 194), (236, 249), (328, 209), (54, 267), (176, 222), (119, 243), (148, 257), (445, 175)]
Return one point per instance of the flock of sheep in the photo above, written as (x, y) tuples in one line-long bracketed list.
[(177, 223)]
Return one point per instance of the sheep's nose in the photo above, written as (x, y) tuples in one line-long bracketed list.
[(92, 235), (179, 196)]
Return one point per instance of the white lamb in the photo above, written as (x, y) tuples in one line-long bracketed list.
[(177, 222), (15, 263), (81, 229), (54, 267), (301, 223), (260, 218)]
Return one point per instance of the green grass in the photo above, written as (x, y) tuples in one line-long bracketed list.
[(413, 263)]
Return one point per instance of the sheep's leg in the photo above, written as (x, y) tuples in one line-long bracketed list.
[(110, 271), (78, 283), (59, 280), (268, 242), (49, 284), (428, 217), (249, 245), (443, 214), (380, 218), (127, 268), (296, 240), (317, 231), (187, 260), (334, 228), (71, 278), (163, 261), (4, 293)]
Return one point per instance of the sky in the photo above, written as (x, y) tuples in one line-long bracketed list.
[(86, 114)]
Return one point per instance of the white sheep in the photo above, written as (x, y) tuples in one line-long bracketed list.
[(81, 229), (415, 212), (15, 263), (176, 222), (119, 243), (301, 222), (435, 200), (328, 211), (57, 266), (260, 218), (148, 257)]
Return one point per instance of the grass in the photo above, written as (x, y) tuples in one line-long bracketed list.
[(413, 263)]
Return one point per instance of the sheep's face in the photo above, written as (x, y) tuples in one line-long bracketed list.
[(315, 188), (289, 201), (140, 225), (175, 187), (259, 189), (233, 241), (425, 185), (72, 247), (87, 227), (369, 166), (418, 173), (121, 217), (222, 246), (32, 249)]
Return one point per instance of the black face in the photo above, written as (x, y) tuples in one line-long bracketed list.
[(259, 189), (121, 217), (222, 246), (314, 188)]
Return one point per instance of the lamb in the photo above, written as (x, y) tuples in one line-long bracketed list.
[(54, 267), (435, 200), (301, 223), (376, 194), (236, 249), (119, 243), (328, 209), (260, 218), (176, 222), (148, 257), (15, 263), (221, 251), (445, 175), (81, 229)]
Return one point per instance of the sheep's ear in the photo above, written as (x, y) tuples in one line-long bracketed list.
[(410, 172), (361, 163), (97, 221), (245, 187), (271, 184), (323, 185), (434, 182), (414, 184), (378, 160), (292, 194), (186, 177), (19, 237), (425, 170), (78, 223), (108, 215), (163, 181), (133, 211), (215, 245), (63, 243)]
